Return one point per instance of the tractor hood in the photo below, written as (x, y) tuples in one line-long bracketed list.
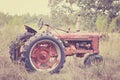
[(75, 36)]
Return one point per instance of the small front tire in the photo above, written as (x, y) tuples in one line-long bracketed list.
[(93, 59)]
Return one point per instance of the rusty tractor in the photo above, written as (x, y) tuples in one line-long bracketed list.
[(47, 51)]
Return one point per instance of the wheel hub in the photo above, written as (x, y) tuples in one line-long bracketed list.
[(42, 56)]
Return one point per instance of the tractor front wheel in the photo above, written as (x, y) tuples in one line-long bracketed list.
[(93, 59)]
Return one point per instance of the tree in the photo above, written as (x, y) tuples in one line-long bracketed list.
[(88, 9), (3, 19), (102, 23), (115, 25), (16, 20)]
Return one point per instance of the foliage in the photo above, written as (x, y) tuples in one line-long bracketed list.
[(102, 23), (16, 20), (20, 20), (115, 24), (90, 10), (102, 15), (3, 19)]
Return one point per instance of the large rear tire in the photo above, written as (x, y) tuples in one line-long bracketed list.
[(44, 53)]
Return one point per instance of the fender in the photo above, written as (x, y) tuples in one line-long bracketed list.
[(30, 30)]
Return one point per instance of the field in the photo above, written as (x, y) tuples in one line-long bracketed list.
[(73, 68)]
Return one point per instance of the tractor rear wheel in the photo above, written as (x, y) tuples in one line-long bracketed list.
[(93, 59), (15, 48), (44, 53)]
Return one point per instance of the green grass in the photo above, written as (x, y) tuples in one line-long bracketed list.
[(73, 68)]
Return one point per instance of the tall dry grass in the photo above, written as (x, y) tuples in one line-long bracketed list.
[(73, 68)]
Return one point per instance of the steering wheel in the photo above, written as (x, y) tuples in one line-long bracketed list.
[(40, 23)]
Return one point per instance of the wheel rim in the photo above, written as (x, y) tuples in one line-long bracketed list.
[(45, 55)]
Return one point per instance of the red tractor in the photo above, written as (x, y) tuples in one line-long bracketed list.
[(47, 52)]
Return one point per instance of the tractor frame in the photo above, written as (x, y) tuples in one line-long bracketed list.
[(47, 51)]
